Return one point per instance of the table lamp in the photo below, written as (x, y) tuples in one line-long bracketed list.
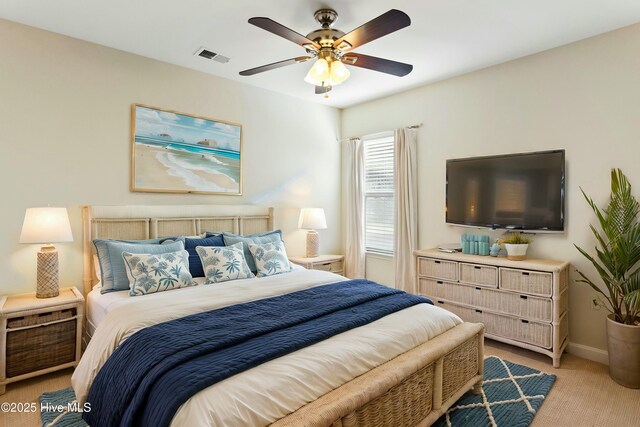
[(312, 219), (46, 226)]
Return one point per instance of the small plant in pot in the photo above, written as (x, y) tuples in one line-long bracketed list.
[(516, 245), (617, 259)]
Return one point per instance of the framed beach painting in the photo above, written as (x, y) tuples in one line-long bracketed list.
[(175, 152)]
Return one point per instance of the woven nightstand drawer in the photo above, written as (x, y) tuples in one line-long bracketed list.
[(32, 349), (39, 319)]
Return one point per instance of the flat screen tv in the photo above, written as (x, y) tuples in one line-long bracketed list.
[(515, 191)]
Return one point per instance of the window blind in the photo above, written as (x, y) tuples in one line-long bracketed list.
[(378, 192)]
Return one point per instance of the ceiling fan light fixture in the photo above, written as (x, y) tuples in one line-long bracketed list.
[(318, 73), (339, 73)]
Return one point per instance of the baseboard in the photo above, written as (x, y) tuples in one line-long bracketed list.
[(591, 353)]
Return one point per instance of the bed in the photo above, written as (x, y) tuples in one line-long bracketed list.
[(406, 368)]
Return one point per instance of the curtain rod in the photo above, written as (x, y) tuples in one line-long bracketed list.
[(416, 126)]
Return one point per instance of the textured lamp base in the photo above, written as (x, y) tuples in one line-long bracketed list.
[(313, 244), (48, 283)]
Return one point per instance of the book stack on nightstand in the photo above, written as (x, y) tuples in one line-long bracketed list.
[(39, 335), (332, 263)]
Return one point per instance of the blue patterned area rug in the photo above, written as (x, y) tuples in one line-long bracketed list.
[(59, 409), (511, 396)]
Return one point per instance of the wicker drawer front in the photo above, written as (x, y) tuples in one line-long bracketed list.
[(323, 267), (526, 306), (32, 349), (439, 269), (534, 333), (336, 267), (481, 275), (433, 288), (38, 319), (528, 282)]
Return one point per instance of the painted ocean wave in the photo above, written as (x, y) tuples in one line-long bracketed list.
[(181, 145)]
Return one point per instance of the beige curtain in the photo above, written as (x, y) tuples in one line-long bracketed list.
[(406, 209), (354, 245)]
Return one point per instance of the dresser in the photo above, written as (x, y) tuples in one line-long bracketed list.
[(332, 263), (523, 303), (39, 335)]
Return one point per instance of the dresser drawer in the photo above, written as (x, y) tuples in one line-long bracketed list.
[(526, 281), (525, 306), (439, 269), (481, 275), (433, 288), (534, 333)]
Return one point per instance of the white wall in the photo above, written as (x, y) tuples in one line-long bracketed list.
[(65, 138), (583, 97)]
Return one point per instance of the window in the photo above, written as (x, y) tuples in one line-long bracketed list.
[(378, 192)]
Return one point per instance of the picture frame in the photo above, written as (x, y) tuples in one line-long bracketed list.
[(176, 152)]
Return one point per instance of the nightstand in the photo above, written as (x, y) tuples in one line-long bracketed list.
[(39, 335), (332, 263)]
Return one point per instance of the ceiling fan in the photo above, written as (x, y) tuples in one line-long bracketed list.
[(332, 48)]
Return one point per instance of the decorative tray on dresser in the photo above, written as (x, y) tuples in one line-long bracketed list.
[(524, 303)]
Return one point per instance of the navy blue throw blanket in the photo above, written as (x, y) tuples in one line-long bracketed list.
[(152, 373)]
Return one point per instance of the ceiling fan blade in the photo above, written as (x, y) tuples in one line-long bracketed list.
[(384, 24), (282, 31), (323, 89), (399, 69), (274, 65)]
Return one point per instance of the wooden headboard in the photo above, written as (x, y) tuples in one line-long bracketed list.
[(150, 222)]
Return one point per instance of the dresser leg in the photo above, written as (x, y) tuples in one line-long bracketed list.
[(556, 361), (477, 388)]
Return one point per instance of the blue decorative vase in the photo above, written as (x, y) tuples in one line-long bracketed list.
[(495, 249)]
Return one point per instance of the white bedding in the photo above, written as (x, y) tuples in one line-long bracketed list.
[(268, 392)]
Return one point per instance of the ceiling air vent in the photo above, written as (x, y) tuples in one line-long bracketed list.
[(208, 54)]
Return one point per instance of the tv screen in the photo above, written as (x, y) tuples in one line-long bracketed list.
[(515, 191)]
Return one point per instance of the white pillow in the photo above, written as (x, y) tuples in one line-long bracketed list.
[(150, 273), (270, 258), (223, 263)]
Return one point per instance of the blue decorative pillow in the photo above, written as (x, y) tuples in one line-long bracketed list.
[(270, 258), (190, 244), (157, 273), (224, 263), (113, 274), (256, 239)]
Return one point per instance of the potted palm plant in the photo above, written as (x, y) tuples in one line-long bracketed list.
[(616, 259), (516, 245)]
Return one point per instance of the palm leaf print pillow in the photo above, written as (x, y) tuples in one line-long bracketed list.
[(150, 273), (270, 258), (223, 263)]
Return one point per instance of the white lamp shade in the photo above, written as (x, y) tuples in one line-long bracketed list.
[(312, 219), (46, 225), (339, 73), (318, 73)]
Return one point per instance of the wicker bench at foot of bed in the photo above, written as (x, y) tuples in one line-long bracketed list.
[(414, 388)]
